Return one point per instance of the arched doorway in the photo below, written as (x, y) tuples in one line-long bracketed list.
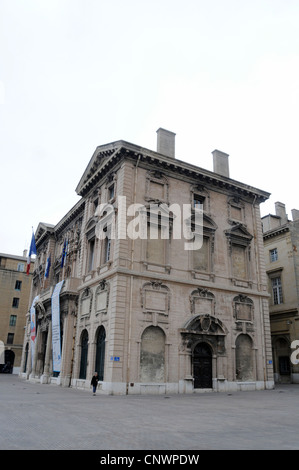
[(202, 366), (9, 361), (84, 355), (100, 353)]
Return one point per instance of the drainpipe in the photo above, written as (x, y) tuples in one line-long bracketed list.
[(131, 288), (259, 283)]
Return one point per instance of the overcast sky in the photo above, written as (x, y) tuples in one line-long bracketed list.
[(74, 74)]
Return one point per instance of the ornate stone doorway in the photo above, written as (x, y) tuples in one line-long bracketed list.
[(202, 366), (203, 340)]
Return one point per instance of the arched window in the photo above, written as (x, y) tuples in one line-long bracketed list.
[(244, 358), (100, 353)]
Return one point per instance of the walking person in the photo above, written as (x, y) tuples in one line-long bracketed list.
[(94, 382)]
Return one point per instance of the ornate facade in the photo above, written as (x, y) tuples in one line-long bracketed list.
[(148, 314)]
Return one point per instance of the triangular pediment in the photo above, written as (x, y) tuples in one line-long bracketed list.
[(43, 229), (207, 222), (239, 231), (99, 159)]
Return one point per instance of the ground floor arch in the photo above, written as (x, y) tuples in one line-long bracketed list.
[(84, 354), (244, 358), (9, 359), (152, 355), (100, 352)]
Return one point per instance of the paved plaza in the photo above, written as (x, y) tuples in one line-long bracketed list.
[(49, 417)]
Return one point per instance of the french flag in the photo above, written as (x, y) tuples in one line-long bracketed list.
[(32, 251)]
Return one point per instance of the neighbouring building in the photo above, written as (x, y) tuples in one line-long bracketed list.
[(15, 286), (125, 297), (281, 242)]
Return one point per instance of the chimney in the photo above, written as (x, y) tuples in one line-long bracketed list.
[(295, 214), (280, 211), (166, 142), (25, 253), (220, 163)]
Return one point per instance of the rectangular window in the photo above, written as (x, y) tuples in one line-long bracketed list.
[(10, 338), (95, 204), (12, 320), (18, 285), (15, 302), (91, 254), (277, 290), (21, 267), (273, 255), (107, 247), (111, 192), (198, 201)]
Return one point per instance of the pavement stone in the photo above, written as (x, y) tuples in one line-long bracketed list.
[(49, 417)]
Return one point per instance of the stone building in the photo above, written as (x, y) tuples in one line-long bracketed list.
[(136, 304), (15, 288), (281, 241)]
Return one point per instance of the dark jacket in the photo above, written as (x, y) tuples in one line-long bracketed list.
[(94, 380)]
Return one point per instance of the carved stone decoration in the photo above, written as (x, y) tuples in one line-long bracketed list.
[(202, 302), (243, 308), (86, 303), (156, 187), (102, 297), (198, 190), (155, 298), (204, 328), (205, 323)]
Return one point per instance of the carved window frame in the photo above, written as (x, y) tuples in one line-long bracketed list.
[(153, 287), (111, 181), (86, 294), (199, 190), (164, 222), (201, 293), (157, 177), (236, 202), (91, 240), (103, 287), (244, 300), (208, 231), (239, 236)]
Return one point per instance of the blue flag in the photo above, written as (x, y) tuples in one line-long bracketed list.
[(48, 266), (64, 252)]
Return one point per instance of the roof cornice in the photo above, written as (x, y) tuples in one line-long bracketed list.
[(106, 156)]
